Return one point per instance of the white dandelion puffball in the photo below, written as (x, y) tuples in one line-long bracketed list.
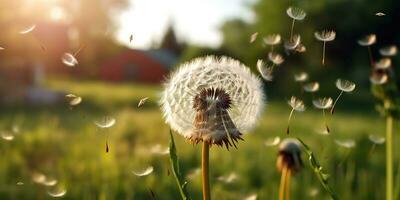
[(244, 90)]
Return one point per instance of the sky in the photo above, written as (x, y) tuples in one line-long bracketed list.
[(195, 21)]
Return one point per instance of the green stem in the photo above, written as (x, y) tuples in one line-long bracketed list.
[(205, 171), (389, 158)]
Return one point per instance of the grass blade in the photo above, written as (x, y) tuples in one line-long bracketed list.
[(174, 160)]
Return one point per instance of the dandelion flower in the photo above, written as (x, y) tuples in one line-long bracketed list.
[(378, 78), (292, 43), (323, 103), (296, 14), (288, 163), (343, 86), (388, 51), (265, 71), (272, 40), (296, 105), (325, 36), (367, 41), (301, 77), (212, 100), (272, 141), (275, 58), (311, 87), (253, 37), (383, 63)]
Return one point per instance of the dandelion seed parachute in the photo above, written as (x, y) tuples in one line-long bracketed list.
[(231, 76)]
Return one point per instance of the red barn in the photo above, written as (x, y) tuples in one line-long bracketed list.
[(146, 66)]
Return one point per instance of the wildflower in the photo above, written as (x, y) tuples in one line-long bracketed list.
[(296, 105), (343, 86), (289, 162), (325, 36)]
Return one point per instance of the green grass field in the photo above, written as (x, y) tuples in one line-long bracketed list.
[(65, 144)]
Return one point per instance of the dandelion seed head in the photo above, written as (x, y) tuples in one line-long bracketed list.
[(265, 71), (301, 77), (289, 155), (388, 51), (323, 103), (296, 13), (275, 58), (296, 104), (228, 75), (293, 43), (311, 87), (376, 139), (272, 39), (325, 35), (383, 63), (367, 40), (345, 85)]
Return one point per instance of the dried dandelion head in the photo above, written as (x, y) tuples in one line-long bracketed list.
[(296, 13), (272, 39), (212, 100), (289, 155), (367, 40), (325, 35)]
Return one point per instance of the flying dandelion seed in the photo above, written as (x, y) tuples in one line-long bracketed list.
[(367, 41), (73, 99), (301, 77), (28, 29), (292, 43), (7, 136), (296, 105), (253, 37), (325, 36), (348, 143), (323, 103), (380, 14), (193, 173), (144, 172), (15, 129), (142, 102), (212, 100), (69, 60), (57, 192), (272, 141), (2, 48), (322, 131), (311, 87), (388, 51), (378, 78), (296, 14), (383, 63), (275, 58), (343, 86), (38, 178), (159, 150), (251, 197), (49, 182), (376, 139), (105, 122), (230, 178), (19, 183), (300, 48), (288, 163), (272, 40), (313, 192), (265, 71)]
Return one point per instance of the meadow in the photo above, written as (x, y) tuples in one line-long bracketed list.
[(65, 144)]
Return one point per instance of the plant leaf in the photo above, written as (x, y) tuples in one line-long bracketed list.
[(318, 170), (174, 160)]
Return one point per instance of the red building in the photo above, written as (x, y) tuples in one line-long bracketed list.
[(145, 66)]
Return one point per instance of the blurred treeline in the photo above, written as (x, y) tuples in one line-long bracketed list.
[(344, 57)]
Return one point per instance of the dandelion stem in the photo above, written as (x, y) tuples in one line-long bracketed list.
[(290, 116), (323, 54), (337, 98), (291, 30), (371, 59), (287, 184), (283, 183), (205, 171), (389, 158)]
